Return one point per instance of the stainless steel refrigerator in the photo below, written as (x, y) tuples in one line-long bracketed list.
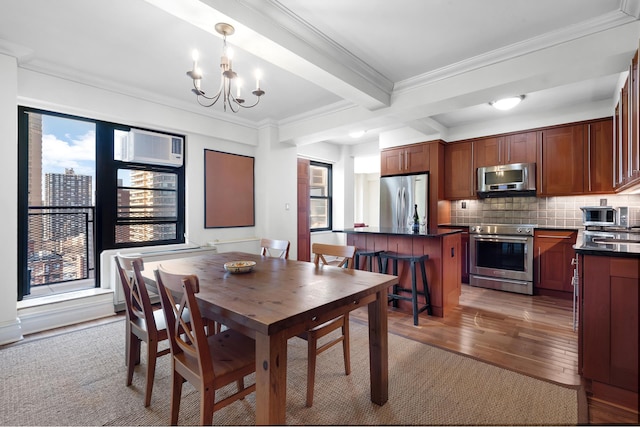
[(398, 195)]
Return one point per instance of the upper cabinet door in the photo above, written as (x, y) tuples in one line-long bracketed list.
[(459, 171), (599, 157), (520, 148), (404, 160), (561, 155), (504, 150), (487, 152)]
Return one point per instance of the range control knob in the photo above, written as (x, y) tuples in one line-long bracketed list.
[(519, 230)]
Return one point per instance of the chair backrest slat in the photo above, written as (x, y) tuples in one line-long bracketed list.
[(177, 294), (344, 254), (275, 248), (137, 301)]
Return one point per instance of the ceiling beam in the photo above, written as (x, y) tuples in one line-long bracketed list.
[(267, 30)]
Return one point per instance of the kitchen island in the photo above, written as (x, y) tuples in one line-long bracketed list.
[(443, 267), (609, 276)]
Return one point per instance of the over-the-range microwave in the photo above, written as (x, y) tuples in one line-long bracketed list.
[(516, 179)]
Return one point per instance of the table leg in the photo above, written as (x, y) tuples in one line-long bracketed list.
[(271, 379), (379, 349)]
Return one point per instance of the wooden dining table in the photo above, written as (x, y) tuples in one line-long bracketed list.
[(278, 300)]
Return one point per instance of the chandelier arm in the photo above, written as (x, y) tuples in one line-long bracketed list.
[(248, 106), (202, 94)]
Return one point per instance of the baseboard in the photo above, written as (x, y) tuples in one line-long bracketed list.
[(10, 332), (68, 311)]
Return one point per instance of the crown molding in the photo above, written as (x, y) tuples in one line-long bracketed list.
[(53, 70), (631, 8), (21, 53), (602, 23)]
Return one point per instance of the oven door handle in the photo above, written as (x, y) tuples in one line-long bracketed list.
[(501, 238)]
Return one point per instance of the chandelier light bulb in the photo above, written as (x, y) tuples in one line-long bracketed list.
[(239, 86), (258, 75)]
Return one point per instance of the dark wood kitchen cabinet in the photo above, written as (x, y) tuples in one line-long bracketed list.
[(459, 172), (599, 157), (626, 158), (561, 161), (553, 252), (407, 159), (504, 150), (608, 330), (576, 159)]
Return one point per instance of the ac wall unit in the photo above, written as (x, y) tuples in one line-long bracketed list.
[(152, 148)]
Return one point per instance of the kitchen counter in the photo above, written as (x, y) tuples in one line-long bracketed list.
[(438, 232), (616, 244), (537, 227)]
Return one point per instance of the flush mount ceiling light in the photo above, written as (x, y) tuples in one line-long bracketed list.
[(507, 103), (356, 134), (227, 77)]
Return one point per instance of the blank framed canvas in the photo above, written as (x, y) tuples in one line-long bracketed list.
[(228, 190)]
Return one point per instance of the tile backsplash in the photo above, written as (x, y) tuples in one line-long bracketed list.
[(543, 211)]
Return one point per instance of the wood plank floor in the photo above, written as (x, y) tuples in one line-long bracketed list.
[(532, 335)]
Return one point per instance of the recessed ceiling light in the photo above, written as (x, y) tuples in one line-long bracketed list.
[(356, 134), (507, 103)]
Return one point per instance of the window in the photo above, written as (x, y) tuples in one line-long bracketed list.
[(147, 206), (320, 193), (75, 199)]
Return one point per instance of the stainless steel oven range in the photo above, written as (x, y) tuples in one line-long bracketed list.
[(501, 257)]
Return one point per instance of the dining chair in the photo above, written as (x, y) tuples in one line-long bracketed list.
[(341, 256), (275, 248), (207, 362), (143, 322)]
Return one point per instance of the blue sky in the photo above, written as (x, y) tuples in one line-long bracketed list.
[(68, 143)]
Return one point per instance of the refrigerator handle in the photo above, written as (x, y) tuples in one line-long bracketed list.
[(397, 208), (403, 217)]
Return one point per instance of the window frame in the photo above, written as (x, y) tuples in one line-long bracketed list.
[(105, 188), (328, 197)]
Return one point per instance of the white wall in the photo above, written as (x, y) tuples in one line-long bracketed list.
[(9, 324)]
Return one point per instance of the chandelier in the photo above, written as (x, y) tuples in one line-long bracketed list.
[(227, 77)]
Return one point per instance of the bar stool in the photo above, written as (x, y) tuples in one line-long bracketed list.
[(368, 255), (395, 296)]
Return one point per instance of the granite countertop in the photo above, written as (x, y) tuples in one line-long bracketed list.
[(437, 232), (537, 227), (623, 247)]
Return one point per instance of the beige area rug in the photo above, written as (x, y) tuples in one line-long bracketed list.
[(78, 378)]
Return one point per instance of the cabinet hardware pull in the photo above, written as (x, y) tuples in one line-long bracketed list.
[(589, 153), (553, 237), (539, 263)]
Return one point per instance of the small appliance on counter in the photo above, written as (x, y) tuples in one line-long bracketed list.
[(609, 228), (608, 217)]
